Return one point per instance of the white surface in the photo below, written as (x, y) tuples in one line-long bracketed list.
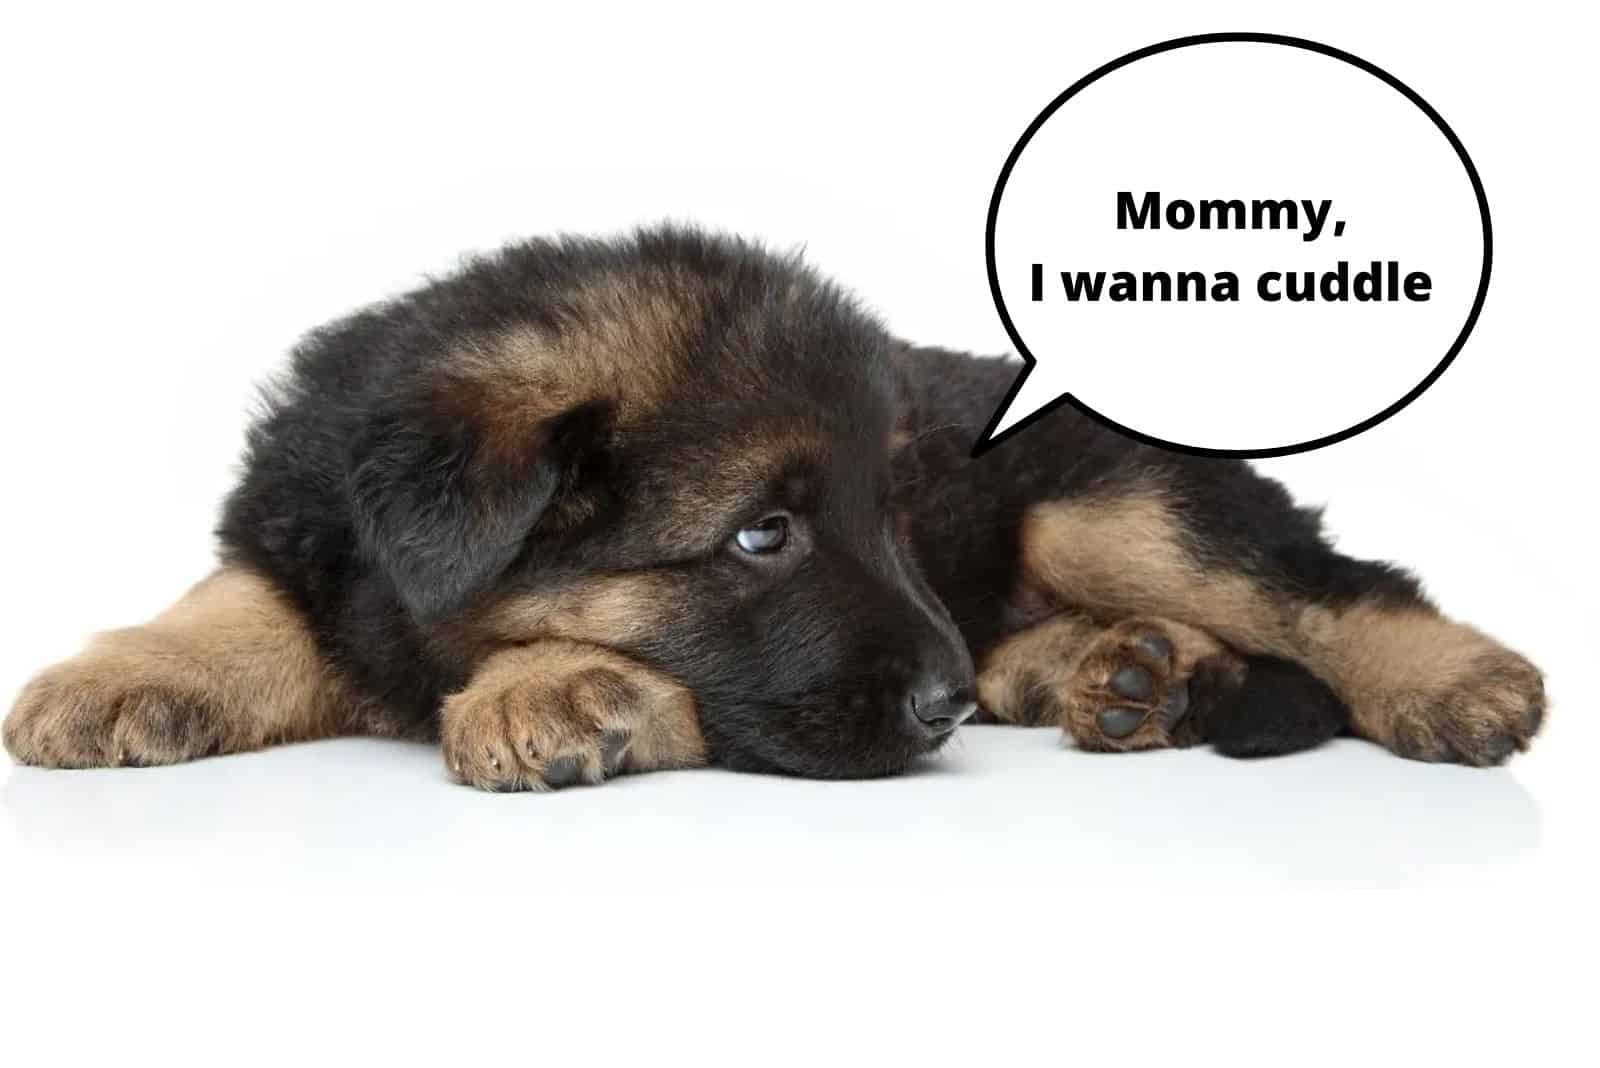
[(1010, 898), (186, 191), (1005, 808)]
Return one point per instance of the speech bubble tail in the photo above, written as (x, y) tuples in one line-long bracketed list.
[(1028, 400)]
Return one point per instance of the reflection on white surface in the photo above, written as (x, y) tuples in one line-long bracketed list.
[(1004, 807)]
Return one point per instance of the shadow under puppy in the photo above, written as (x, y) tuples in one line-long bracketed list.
[(595, 506)]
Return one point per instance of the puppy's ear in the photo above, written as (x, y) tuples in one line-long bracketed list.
[(447, 482)]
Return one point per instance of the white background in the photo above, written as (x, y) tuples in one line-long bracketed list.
[(185, 190)]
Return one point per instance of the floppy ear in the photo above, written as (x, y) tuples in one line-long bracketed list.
[(445, 494)]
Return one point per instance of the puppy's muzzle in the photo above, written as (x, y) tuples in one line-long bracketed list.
[(935, 706)]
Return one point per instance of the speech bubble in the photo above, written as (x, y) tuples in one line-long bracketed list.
[(1234, 244)]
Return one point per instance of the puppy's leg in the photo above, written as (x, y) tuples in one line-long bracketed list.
[(556, 712), (1413, 680), (1151, 683), (1422, 685), (1139, 684), (231, 666)]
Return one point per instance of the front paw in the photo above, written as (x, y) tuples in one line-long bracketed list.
[(104, 711), (556, 714)]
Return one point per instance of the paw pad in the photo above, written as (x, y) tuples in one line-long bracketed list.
[(1120, 722), (1144, 684)]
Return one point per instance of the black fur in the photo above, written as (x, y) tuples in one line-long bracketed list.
[(389, 516), (1234, 518), (1281, 708)]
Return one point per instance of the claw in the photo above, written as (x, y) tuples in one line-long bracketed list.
[(563, 771), (614, 749)]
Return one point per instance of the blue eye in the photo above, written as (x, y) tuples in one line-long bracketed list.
[(767, 536)]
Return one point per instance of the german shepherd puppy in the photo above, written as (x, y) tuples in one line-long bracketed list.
[(589, 507)]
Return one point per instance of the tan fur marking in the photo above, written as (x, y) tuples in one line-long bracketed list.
[(608, 610), (1424, 685), (230, 667), (1046, 654), (1121, 556), (616, 318), (622, 344), (532, 709)]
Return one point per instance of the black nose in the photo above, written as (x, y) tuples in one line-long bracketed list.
[(937, 706)]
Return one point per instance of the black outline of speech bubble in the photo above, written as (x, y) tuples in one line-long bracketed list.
[(986, 442)]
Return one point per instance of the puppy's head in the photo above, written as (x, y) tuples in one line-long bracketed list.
[(680, 447)]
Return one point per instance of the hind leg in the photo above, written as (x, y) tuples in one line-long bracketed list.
[(1412, 680), (1422, 685), (230, 667), (1150, 683), (1139, 684)]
